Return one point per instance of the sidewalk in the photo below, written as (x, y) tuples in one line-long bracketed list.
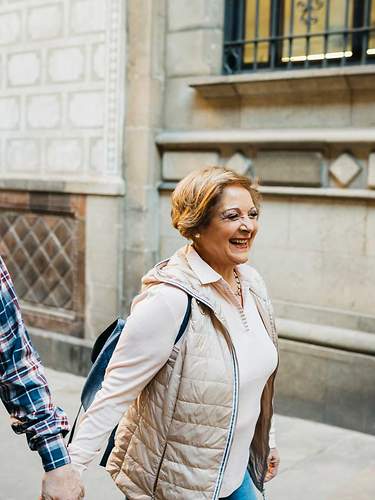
[(319, 462)]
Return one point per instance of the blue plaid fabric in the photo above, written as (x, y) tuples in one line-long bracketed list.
[(23, 386)]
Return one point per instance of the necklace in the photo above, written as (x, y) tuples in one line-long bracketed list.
[(238, 283)]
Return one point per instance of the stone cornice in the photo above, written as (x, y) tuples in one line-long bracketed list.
[(216, 138)]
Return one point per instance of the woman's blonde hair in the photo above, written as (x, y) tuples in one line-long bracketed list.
[(197, 194)]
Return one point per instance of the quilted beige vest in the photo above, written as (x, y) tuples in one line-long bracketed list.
[(174, 440)]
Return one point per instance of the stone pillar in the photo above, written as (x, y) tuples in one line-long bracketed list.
[(145, 85)]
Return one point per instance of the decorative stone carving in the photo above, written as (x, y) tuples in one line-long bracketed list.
[(239, 163), (344, 169), (42, 241)]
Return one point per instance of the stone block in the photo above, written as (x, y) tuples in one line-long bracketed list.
[(10, 30), (22, 155), (363, 108), (370, 231), (186, 109), (64, 155), (87, 16), (86, 109), (188, 14), (43, 111), (296, 110), (274, 224), (99, 61), (325, 225), (327, 385), (97, 156), (9, 113), (196, 52), (371, 171), (24, 68), (45, 22), (344, 169), (66, 65), (178, 164), (290, 168)]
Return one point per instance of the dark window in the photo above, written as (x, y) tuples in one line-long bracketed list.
[(288, 34)]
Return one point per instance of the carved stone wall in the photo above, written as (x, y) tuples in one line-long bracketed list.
[(42, 242)]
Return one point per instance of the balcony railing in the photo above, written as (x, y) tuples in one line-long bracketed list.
[(291, 34)]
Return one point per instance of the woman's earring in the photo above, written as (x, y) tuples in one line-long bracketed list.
[(197, 236)]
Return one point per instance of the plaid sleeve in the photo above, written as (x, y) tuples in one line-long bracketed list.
[(23, 386)]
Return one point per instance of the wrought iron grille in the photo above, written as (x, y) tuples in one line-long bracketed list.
[(291, 34)]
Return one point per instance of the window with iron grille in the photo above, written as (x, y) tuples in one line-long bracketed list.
[(291, 34)]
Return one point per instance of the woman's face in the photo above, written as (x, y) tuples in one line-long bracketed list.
[(226, 241)]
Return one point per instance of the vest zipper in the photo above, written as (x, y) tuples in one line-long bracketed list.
[(235, 394), (158, 472), (231, 427)]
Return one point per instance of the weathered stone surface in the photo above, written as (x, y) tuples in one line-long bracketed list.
[(103, 262), (10, 28), (87, 16), (64, 155), (206, 47), (22, 155), (371, 171), (99, 61), (177, 164), (45, 22), (344, 169), (296, 110), (239, 163), (9, 113), (188, 14), (86, 109), (293, 168), (97, 155), (66, 65), (24, 68), (327, 385), (44, 111)]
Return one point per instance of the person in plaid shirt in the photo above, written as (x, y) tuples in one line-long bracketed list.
[(26, 396)]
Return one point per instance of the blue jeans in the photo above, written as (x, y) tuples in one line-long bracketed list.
[(245, 492)]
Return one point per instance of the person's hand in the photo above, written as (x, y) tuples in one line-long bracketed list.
[(63, 483), (273, 463)]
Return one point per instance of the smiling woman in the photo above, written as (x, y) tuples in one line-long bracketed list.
[(194, 414)]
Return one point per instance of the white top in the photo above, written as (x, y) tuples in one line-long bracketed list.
[(142, 351)]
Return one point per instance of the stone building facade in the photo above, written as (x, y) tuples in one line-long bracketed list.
[(106, 104)]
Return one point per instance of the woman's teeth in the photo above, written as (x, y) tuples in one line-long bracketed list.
[(239, 242)]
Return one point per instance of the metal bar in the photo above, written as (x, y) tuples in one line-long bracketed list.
[(365, 36), (273, 34), (291, 31), (255, 61), (279, 38), (345, 34), (326, 28), (308, 31)]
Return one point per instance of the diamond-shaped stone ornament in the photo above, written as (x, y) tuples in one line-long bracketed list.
[(344, 169), (239, 163)]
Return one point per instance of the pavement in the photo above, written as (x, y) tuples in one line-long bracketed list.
[(318, 462)]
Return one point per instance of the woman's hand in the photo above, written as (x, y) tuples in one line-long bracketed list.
[(273, 462)]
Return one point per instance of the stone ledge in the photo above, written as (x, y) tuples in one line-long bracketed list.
[(327, 336), (63, 353), (106, 186), (214, 138), (304, 80), (326, 385), (358, 194)]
